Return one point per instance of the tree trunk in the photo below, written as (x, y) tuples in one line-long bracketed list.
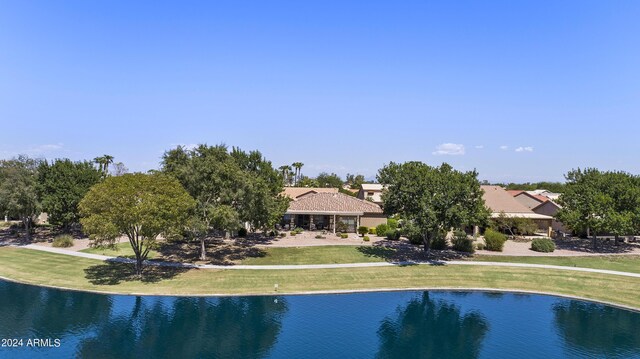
[(27, 227), (426, 240), (203, 251), (615, 240), (139, 266), (595, 241)]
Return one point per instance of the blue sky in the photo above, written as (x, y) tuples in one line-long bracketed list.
[(519, 90)]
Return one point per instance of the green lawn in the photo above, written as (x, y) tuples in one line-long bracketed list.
[(37, 267), (619, 263), (321, 255), (122, 249)]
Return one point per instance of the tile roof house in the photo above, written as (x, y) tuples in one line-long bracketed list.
[(297, 192), (323, 210), (540, 204), (499, 201)]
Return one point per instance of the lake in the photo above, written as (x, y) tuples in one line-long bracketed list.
[(56, 323)]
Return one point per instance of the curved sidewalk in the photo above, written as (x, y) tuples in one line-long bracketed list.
[(324, 266)]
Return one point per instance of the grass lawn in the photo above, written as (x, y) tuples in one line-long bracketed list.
[(321, 255), (36, 267), (628, 263), (123, 249)]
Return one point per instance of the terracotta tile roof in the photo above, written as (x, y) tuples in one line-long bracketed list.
[(499, 200), (537, 197), (332, 203), (297, 192), (514, 192)]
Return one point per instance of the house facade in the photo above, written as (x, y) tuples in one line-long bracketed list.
[(499, 201), (371, 192), (331, 211)]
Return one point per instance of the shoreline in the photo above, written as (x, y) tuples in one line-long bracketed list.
[(337, 292)]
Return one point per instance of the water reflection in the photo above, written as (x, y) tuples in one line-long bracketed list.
[(240, 327), (598, 329), (27, 311), (428, 328)]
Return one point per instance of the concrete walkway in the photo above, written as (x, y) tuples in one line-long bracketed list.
[(325, 266)]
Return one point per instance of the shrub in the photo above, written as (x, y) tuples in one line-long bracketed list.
[(63, 241), (461, 243), (362, 230), (341, 227), (366, 238), (480, 246), (282, 235), (494, 241), (242, 232), (344, 235), (319, 236), (293, 233), (382, 229), (392, 223), (298, 230), (372, 230), (544, 245), (439, 242), (393, 234)]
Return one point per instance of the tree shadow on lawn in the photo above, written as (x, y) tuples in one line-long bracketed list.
[(113, 273), (604, 246), (407, 253), (219, 251)]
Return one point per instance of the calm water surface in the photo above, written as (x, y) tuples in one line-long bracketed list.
[(372, 325)]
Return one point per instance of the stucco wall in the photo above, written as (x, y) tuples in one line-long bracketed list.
[(372, 220)]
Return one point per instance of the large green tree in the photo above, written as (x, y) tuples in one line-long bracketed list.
[(18, 190), (230, 187), (138, 206), (61, 186), (434, 199), (597, 202), (329, 180)]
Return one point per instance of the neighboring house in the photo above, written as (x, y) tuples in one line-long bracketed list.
[(543, 192), (322, 210), (540, 204), (371, 192), (498, 200)]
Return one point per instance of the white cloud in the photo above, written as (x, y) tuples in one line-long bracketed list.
[(504, 148), (524, 149), (480, 147), (451, 149)]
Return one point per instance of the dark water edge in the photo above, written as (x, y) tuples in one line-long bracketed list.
[(412, 324)]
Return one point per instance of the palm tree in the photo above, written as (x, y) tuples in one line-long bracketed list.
[(103, 163), (284, 171), (298, 167)]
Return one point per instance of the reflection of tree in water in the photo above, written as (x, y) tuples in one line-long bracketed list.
[(427, 328), (241, 327), (598, 329), (52, 313)]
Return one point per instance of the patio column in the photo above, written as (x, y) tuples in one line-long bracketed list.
[(357, 223), (311, 221), (476, 232), (292, 222), (333, 225)]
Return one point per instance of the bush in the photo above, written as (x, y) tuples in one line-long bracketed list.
[(372, 230), (494, 241), (381, 229), (344, 235), (362, 230), (544, 245), (439, 242), (293, 233), (319, 236), (392, 223), (392, 234), (298, 230), (63, 241), (366, 238), (341, 227), (242, 232), (461, 243), (480, 246), (282, 235)]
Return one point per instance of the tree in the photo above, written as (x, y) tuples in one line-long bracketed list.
[(298, 168), (434, 199), (355, 181), (329, 180), (61, 186), (18, 190), (103, 163), (230, 187), (139, 206), (596, 202), (119, 169)]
